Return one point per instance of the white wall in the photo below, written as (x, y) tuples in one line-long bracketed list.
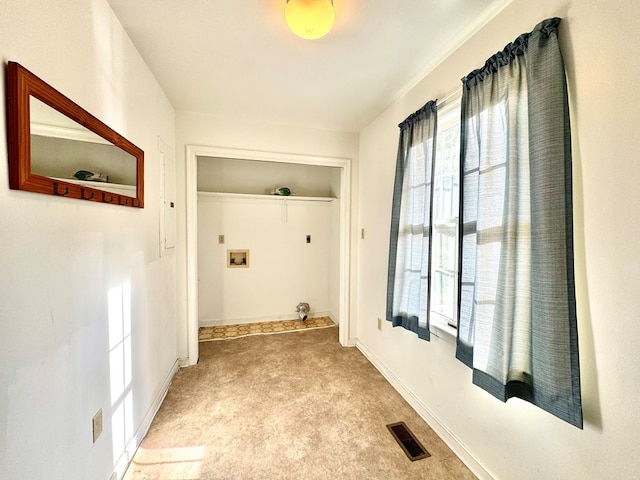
[(283, 269), (211, 130), (67, 265), (231, 175), (517, 440)]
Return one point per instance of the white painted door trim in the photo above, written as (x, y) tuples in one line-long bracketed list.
[(192, 154)]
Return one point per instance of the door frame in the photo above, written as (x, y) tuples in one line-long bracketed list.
[(192, 154)]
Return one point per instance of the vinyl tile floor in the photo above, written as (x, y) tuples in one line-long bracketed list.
[(223, 332)]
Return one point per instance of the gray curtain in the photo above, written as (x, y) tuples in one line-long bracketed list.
[(517, 317), (408, 278)]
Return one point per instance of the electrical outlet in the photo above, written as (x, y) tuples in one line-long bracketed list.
[(97, 425), (220, 239), (379, 324)]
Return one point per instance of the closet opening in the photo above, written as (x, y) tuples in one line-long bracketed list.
[(290, 213)]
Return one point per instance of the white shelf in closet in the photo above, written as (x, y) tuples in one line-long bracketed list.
[(254, 196)]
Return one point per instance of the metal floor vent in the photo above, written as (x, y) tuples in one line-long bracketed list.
[(409, 443)]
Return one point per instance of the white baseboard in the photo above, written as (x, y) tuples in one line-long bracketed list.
[(182, 362), (271, 318), (436, 425), (132, 447)]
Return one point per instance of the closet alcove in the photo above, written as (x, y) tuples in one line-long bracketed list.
[(293, 241)]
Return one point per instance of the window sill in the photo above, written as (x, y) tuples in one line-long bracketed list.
[(443, 331)]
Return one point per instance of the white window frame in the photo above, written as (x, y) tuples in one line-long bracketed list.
[(448, 117)]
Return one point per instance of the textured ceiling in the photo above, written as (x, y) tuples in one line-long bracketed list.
[(238, 58)]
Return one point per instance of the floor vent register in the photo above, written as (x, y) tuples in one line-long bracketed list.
[(409, 443)]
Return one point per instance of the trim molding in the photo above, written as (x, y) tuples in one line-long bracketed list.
[(427, 415), (191, 158), (458, 40), (132, 447), (216, 322)]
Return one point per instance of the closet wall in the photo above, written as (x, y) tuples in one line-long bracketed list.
[(291, 241)]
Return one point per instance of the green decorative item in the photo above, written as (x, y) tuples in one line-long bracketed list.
[(284, 191), (90, 176)]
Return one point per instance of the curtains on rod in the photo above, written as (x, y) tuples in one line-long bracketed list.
[(517, 317), (410, 243)]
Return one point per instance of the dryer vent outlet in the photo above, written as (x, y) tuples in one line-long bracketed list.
[(303, 310)]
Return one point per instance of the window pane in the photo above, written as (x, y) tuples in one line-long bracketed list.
[(444, 271), (444, 247), (443, 294)]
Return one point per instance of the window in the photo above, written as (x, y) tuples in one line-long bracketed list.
[(516, 324), (446, 196), (410, 237), (423, 259), (517, 327)]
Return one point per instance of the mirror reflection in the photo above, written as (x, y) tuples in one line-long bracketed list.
[(55, 147), (62, 149)]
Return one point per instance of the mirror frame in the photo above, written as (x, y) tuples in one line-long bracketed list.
[(20, 86)]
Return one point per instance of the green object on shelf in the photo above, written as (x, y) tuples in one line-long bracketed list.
[(90, 176), (284, 191)]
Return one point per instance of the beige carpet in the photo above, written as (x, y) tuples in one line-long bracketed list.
[(289, 406)]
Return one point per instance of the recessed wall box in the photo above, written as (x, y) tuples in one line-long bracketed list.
[(237, 258)]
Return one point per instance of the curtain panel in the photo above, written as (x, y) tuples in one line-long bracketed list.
[(408, 278), (517, 316)]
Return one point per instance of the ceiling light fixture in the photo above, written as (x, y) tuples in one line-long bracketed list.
[(310, 19)]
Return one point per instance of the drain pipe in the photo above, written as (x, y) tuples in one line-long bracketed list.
[(303, 309)]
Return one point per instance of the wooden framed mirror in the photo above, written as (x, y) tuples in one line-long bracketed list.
[(58, 148)]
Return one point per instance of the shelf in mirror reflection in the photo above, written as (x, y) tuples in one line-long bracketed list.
[(127, 190), (60, 147)]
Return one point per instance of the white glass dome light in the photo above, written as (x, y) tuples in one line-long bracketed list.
[(310, 19)]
